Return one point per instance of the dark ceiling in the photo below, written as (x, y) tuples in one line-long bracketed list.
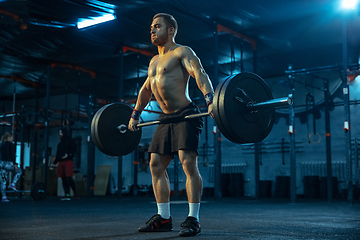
[(39, 39)]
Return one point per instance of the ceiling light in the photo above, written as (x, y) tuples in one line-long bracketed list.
[(89, 22), (349, 4)]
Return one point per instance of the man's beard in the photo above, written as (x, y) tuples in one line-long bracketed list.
[(160, 39)]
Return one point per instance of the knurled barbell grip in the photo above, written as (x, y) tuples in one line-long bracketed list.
[(124, 127), (158, 121), (148, 123), (139, 125)]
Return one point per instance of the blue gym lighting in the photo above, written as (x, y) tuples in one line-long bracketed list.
[(93, 21)]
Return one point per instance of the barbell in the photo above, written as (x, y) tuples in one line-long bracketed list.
[(37, 191), (243, 108)]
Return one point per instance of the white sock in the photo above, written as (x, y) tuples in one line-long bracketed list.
[(164, 210), (194, 209)]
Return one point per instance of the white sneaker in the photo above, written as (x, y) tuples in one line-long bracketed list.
[(66, 198)]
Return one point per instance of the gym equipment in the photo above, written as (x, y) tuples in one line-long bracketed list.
[(105, 131), (37, 191), (243, 111)]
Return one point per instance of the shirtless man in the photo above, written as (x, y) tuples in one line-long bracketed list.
[(168, 77)]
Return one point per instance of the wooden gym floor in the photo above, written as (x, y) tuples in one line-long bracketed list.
[(231, 218)]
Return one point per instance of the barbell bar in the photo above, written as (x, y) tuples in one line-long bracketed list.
[(277, 102), (243, 108), (251, 106), (37, 191)]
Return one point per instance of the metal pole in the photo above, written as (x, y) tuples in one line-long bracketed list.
[(257, 170), (347, 112), (254, 60), (312, 70), (13, 109), (217, 140), (292, 142), (121, 80), (276, 102), (22, 119), (46, 138), (328, 140), (135, 164), (34, 151), (257, 145), (3, 110), (250, 106), (356, 153), (91, 151)]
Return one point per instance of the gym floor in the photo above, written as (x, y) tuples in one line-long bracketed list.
[(231, 218)]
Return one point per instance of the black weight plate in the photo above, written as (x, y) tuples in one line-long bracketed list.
[(106, 135), (217, 113), (232, 136), (38, 191), (241, 124), (252, 126), (94, 129)]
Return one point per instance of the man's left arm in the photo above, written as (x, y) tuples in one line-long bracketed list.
[(194, 67)]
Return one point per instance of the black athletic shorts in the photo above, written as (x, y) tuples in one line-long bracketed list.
[(181, 134)]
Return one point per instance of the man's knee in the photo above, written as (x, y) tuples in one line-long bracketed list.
[(190, 166), (158, 163), (154, 164)]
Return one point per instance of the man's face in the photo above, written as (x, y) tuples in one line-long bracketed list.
[(159, 32)]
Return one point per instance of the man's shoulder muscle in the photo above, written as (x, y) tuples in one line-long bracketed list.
[(183, 50), (154, 58)]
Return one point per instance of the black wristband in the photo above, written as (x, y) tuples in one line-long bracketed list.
[(209, 98), (135, 114)]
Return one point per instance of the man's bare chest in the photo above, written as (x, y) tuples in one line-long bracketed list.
[(164, 65)]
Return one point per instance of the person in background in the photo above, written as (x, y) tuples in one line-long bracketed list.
[(8, 164), (66, 150)]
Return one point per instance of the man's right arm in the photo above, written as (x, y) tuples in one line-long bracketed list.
[(142, 101)]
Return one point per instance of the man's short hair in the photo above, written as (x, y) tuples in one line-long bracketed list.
[(169, 21)]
